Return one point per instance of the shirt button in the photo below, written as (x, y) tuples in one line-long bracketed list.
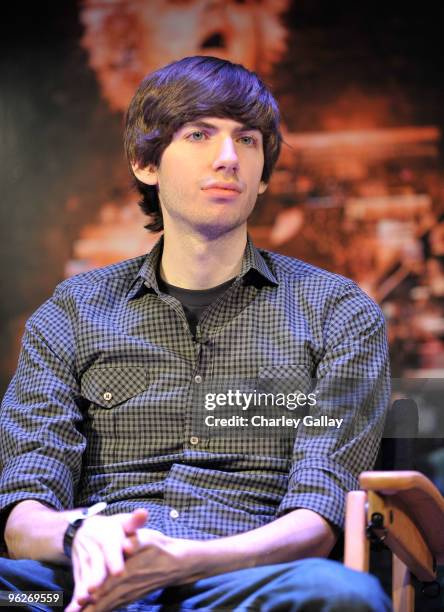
[(174, 514), (198, 379), (194, 440), (107, 396)]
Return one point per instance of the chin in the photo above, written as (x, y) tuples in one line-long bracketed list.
[(216, 229)]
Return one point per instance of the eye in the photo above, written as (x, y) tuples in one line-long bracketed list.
[(248, 140), (196, 136)]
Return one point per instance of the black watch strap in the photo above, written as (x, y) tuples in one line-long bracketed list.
[(76, 522)]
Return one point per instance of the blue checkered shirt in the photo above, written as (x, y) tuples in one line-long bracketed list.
[(103, 403)]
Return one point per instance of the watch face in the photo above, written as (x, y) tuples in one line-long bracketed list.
[(95, 509), (80, 515)]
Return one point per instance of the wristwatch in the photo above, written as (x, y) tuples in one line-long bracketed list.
[(75, 522)]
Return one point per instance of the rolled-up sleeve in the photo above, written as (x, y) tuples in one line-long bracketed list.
[(41, 444), (353, 384)]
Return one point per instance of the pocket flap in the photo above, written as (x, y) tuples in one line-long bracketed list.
[(108, 387), (286, 377), (285, 370)]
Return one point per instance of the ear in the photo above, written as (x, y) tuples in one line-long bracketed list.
[(262, 187), (146, 175)]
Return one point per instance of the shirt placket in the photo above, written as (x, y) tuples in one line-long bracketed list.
[(196, 434)]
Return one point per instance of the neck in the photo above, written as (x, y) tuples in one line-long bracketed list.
[(195, 262)]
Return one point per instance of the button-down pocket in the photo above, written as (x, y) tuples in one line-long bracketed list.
[(266, 423), (109, 387)]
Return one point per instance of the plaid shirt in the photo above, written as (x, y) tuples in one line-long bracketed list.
[(103, 403)]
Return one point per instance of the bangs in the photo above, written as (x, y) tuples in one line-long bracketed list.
[(192, 88)]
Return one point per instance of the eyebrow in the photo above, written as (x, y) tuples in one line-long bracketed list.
[(210, 126)]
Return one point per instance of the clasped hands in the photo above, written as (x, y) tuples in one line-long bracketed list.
[(115, 561)]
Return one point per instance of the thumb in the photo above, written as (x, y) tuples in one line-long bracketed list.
[(135, 521)]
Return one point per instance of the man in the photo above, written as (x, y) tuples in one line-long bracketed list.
[(106, 402)]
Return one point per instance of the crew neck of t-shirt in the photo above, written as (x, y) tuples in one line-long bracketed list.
[(194, 297)]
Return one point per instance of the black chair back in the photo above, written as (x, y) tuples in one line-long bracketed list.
[(397, 450)]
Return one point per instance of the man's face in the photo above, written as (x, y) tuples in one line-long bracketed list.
[(209, 176)]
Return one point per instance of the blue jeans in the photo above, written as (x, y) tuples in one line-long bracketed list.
[(309, 585)]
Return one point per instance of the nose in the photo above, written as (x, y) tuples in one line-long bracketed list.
[(226, 158)]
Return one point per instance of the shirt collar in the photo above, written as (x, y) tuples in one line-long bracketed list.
[(253, 264), (254, 261), (146, 280)]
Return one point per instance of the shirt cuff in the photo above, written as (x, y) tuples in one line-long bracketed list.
[(34, 477), (320, 490)]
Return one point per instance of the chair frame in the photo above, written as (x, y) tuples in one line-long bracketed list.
[(405, 511)]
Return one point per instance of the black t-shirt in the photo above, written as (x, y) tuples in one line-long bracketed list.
[(194, 301)]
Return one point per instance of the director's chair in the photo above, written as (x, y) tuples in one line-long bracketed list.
[(401, 509)]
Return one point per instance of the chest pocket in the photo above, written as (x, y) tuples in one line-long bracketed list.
[(285, 378), (109, 387)]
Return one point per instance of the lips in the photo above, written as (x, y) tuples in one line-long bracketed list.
[(222, 188), (221, 194)]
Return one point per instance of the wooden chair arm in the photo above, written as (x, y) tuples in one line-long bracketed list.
[(417, 501)]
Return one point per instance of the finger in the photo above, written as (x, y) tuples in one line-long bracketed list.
[(110, 584), (97, 568), (136, 542), (74, 605), (136, 520), (77, 602), (112, 550), (92, 571), (130, 545)]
